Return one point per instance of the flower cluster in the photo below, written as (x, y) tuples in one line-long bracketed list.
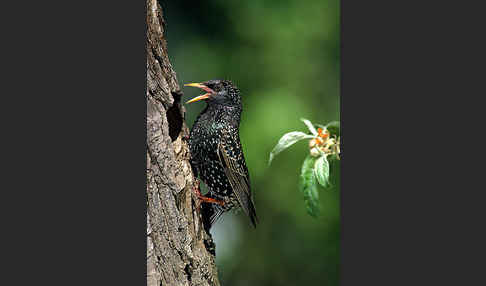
[(323, 143), (316, 169)]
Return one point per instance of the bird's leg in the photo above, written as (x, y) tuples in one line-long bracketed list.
[(211, 200), (203, 198)]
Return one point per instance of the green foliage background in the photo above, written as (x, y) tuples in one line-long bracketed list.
[(284, 57)]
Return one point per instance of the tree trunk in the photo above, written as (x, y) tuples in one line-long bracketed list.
[(179, 250)]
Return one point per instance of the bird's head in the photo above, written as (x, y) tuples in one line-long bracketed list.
[(218, 91)]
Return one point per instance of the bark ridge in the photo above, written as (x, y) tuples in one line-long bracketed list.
[(179, 250)]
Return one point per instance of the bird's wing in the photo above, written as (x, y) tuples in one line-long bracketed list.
[(237, 174)]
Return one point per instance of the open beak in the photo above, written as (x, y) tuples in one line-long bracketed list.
[(203, 87)]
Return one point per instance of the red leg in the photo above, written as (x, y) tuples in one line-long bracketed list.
[(203, 198), (210, 200)]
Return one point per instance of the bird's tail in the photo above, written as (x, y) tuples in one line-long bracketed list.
[(252, 214), (210, 214)]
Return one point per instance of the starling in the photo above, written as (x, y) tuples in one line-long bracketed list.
[(216, 153)]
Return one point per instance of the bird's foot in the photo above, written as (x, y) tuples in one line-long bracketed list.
[(202, 198), (210, 200)]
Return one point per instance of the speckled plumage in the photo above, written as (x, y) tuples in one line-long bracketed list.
[(216, 153)]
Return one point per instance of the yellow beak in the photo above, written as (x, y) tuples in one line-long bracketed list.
[(203, 87), (197, 98), (195, 84)]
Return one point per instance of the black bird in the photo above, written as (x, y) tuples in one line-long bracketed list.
[(216, 153)]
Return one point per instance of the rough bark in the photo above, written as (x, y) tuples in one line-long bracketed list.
[(179, 251)]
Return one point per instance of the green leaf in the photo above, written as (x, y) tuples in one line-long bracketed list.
[(310, 126), (286, 141), (334, 127), (321, 171), (335, 174), (308, 186)]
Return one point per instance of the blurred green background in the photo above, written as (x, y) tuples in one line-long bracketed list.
[(284, 56)]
